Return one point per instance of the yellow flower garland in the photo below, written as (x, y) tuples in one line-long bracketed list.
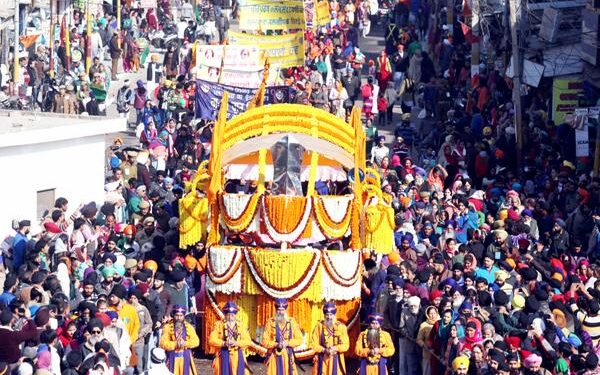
[(242, 222), (283, 270), (330, 228), (193, 223), (379, 225)]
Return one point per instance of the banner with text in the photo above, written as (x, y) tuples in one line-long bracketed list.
[(322, 17), (209, 95), (565, 97), (283, 51), (262, 15), (212, 62)]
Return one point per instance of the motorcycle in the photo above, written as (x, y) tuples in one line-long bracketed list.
[(161, 39)]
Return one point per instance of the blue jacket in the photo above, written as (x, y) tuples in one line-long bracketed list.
[(19, 247)]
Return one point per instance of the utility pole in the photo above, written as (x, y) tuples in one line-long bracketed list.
[(53, 11), (450, 16), (475, 45), (16, 48), (118, 24), (515, 20)]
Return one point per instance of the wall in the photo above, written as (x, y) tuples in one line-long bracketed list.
[(74, 167)]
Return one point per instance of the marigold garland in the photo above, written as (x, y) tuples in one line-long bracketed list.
[(379, 234), (336, 276), (193, 213), (330, 228), (284, 212), (292, 215), (231, 269), (300, 284), (243, 221)]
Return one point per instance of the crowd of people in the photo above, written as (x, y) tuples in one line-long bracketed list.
[(496, 262)]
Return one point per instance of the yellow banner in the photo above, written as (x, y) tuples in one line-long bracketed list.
[(322, 17), (262, 15), (565, 92), (283, 51)]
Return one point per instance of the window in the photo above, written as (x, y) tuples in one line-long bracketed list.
[(45, 201)]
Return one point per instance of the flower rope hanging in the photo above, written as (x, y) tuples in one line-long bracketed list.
[(297, 288), (331, 228), (345, 279), (231, 257), (231, 204), (293, 214)]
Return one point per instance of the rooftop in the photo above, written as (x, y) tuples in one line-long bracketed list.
[(20, 128)]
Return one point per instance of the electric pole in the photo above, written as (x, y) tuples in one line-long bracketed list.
[(475, 45), (515, 20), (16, 48), (450, 16)]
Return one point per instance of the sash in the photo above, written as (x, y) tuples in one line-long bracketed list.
[(279, 337), (322, 355)]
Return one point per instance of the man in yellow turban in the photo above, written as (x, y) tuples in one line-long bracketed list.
[(460, 365), (230, 338), (329, 340), (374, 346), (282, 335)]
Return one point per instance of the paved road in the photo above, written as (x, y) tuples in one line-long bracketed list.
[(204, 366)]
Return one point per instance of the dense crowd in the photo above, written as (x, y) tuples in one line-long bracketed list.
[(495, 268)]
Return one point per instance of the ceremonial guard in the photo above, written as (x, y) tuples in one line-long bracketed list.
[(230, 338), (374, 346), (282, 335), (178, 338), (329, 340)]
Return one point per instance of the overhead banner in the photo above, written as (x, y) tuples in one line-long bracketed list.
[(309, 13), (565, 97), (211, 56), (216, 61), (209, 95), (243, 57), (261, 15), (283, 51), (322, 17)]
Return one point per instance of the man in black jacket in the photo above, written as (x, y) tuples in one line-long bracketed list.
[(92, 107), (391, 317)]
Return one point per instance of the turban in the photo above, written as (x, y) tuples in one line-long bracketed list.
[(533, 360), (518, 301), (230, 308), (108, 272), (513, 341), (179, 309), (460, 361), (394, 257), (281, 302), (329, 308), (375, 318)]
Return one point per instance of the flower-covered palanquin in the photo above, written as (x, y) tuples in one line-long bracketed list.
[(287, 236)]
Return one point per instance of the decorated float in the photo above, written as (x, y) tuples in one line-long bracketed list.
[(284, 238)]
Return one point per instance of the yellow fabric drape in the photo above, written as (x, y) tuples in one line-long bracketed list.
[(356, 123)]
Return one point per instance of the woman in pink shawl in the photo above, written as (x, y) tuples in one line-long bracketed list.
[(436, 178)]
